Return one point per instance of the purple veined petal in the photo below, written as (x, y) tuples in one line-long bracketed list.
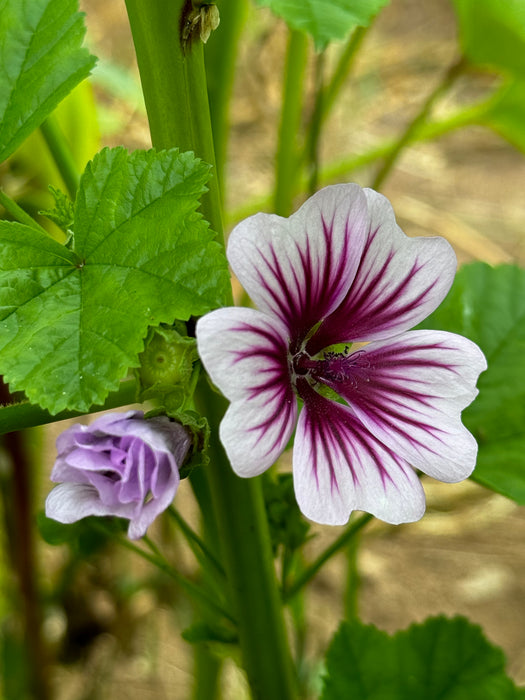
[(133, 488), (91, 460), (410, 391), (339, 467), (245, 354), (400, 281), (299, 269), (68, 503), (147, 513)]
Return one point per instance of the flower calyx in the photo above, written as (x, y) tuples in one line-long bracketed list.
[(167, 365)]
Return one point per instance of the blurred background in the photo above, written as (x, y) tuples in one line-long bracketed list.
[(111, 624)]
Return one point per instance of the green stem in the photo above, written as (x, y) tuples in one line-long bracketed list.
[(325, 96), (26, 415), (61, 153), (313, 140), (194, 591), (247, 554), (195, 543), (342, 168), (308, 574), (287, 170), (220, 55), (452, 74), (174, 86), (351, 599), (18, 213), (342, 69)]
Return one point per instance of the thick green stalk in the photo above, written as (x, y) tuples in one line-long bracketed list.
[(220, 55), (287, 162), (174, 87), (245, 544), (175, 93)]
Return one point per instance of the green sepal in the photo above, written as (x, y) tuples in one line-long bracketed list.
[(62, 214), (166, 364), (199, 431)]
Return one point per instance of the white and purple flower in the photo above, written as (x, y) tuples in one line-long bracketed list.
[(340, 271), (122, 464)]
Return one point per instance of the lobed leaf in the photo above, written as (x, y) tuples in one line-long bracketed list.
[(487, 305), (325, 20), (440, 659), (41, 61), (72, 321)]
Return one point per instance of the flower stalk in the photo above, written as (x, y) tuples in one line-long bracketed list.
[(174, 87)]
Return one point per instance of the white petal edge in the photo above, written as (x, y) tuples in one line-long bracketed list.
[(245, 354), (69, 502)]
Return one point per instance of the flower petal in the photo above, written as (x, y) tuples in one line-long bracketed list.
[(245, 354), (169, 480), (69, 502), (400, 281), (299, 269), (339, 467), (411, 396)]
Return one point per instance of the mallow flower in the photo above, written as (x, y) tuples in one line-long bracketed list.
[(122, 464), (329, 353)]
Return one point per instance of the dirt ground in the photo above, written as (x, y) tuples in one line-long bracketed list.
[(467, 554)]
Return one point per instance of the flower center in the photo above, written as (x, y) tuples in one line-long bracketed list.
[(333, 367)]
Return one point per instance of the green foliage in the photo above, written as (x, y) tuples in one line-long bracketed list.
[(167, 360), (325, 20), (73, 320), (445, 659), (506, 115), (85, 537), (492, 33), (42, 61), (287, 525), (487, 305), (62, 214)]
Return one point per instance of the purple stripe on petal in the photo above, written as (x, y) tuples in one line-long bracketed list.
[(299, 269), (411, 398), (245, 353), (340, 467), (399, 282)]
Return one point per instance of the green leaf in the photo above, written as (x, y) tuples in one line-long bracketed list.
[(492, 33), (487, 305), (325, 20), (441, 659), (506, 115), (72, 321), (41, 62)]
